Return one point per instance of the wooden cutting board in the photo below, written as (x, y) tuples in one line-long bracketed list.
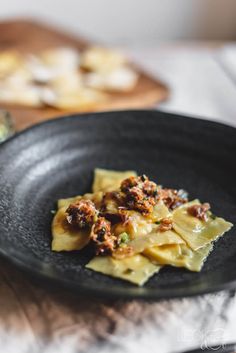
[(31, 37)]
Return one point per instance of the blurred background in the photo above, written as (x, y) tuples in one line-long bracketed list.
[(134, 22), (188, 45)]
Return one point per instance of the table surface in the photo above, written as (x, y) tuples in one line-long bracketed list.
[(34, 319)]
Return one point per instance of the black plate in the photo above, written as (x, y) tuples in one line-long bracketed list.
[(56, 159)]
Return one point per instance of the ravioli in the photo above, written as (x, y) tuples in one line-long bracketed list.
[(195, 232), (65, 238), (140, 243), (109, 180), (136, 269), (179, 255), (159, 211), (139, 225), (137, 232), (95, 197), (136, 226)]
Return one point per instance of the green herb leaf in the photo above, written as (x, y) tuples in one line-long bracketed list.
[(124, 238)]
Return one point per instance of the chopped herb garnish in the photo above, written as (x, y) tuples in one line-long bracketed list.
[(212, 216), (158, 222), (124, 238)]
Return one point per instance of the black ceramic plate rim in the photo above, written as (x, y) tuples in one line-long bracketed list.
[(41, 272), (102, 113)]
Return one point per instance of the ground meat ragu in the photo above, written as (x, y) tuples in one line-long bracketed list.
[(135, 193), (102, 237), (129, 183), (81, 214), (149, 187), (165, 224), (140, 194), (171, 198), (137, 200), (199, 211)]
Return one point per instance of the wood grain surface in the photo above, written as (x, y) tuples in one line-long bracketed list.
[(28, 36)]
